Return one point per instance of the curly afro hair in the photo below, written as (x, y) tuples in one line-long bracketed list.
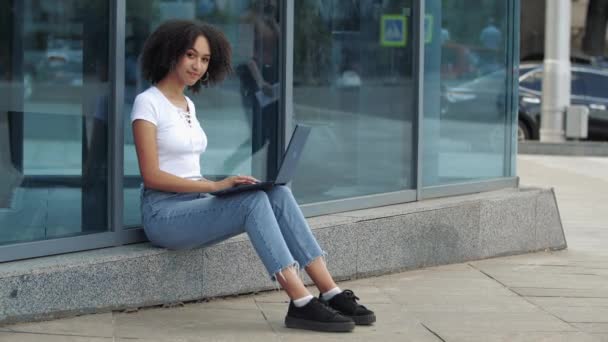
[(170, 41)]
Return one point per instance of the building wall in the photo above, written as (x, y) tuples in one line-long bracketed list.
[(385, 130)]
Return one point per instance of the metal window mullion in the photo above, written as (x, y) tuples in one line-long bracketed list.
[(357, 203), (515, 41), (116, 138), (287, 45), (472, 187), (508, 91), (43, 248), (418, 12)]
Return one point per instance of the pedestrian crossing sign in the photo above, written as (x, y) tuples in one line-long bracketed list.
[(393, 30)]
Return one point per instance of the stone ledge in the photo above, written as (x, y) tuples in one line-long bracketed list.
[(359, 243), (568, 148)]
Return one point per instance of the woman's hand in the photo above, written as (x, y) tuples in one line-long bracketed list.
[(234, 181)]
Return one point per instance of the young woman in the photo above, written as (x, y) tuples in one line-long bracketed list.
[(178, 212)]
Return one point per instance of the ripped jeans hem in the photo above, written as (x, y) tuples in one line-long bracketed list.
[(296, 265)]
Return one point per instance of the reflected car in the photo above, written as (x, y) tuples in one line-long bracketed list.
[(481, 99), (54, 79), (55, 72), (68, 50), (589, 86)]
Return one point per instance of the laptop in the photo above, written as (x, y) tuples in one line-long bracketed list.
[(291, 157)]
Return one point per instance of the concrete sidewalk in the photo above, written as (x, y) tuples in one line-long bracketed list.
[(553, 296)]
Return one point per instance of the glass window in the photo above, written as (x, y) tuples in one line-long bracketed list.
[(465, 135), (53, 119), (241, 116), (353, 84)]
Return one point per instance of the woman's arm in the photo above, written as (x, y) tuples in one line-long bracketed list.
[(255, 72), (144, 133)]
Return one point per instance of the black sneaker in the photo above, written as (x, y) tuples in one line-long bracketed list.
[(346, 303), (317, 316)]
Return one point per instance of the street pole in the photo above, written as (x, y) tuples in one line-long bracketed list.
[(556, 75)]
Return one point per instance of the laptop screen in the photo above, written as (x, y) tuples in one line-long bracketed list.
[(292, 154)]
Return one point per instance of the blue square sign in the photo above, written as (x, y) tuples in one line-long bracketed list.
[(393, 30)]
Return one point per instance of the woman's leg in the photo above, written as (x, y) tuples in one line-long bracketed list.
[(195, 222), (317, 270), (186, 221), (306, 250), (299, 237)]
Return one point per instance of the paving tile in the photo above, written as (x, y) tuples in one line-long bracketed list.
[(468, 304), (202, 337), (599, 328), (493, 322), (274, 296), (233, 303), (569, 302), (394, 324), (31, 337), (580, 314), (545, 269), (601, 337), (191, 322), (560, 292), (423, 288), (99, 325), (542, 276), (519, 337)]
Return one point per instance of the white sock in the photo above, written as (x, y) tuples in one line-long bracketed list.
[(331, 293), (300, 302)]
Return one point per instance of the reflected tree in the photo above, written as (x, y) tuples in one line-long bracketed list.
[(594, 41), (312, 42)]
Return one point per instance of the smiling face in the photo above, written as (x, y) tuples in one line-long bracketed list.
[(194, 63)]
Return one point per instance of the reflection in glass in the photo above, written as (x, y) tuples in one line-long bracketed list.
[(465, 118), (240, 117), (53, 125), (353, 84)]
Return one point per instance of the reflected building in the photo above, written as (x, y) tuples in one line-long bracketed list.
[(390, 105)]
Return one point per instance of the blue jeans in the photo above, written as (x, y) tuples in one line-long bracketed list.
[(273, 220)]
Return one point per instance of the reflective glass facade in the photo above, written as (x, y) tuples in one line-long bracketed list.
[(355, 85), (467, 91), (403, 96), (242, 132), (53, 119)]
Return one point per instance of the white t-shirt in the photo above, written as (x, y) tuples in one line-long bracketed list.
[(179, 144)]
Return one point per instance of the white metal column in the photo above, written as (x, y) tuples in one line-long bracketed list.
[(556, 76)]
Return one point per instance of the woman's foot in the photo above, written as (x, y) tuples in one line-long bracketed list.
[(317, 316), (345, 302)]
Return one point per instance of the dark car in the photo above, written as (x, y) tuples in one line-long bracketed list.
[(589, 87), (483, 98)]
